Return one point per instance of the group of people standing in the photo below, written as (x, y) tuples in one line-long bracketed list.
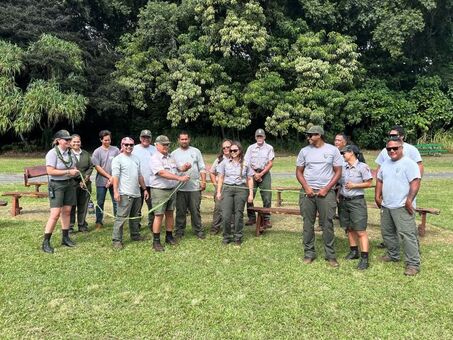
[(331, 176)]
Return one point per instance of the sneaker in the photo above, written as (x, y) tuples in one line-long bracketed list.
[(411, 271), (333, 263), (157, 246), (363, 264), (117, 245), (386, 258)]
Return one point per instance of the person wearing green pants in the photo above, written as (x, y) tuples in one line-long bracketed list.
[(234, 189), (260, 157), (397, 185), (318, 170)]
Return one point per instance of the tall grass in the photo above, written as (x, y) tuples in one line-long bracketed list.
[(444, 137)]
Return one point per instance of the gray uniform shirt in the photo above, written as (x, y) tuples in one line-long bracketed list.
[(127, 169), (408, 150), (357, 173), (318, 164), (258, 156), (193, 156), (161, 162), (144, 155), (103, 158), (55, 162), (396, 178), (231, 171)]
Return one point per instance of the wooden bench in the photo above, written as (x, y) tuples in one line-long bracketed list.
[(280, 190), (35, 172), (431, 149), (15, 207)]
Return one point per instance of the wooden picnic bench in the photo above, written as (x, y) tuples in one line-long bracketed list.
[(431, 149), (33, 172)]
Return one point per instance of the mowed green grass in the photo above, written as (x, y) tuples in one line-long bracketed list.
[(202, 289)]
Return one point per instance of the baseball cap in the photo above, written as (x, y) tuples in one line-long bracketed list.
[(162, 140), (351, 148), (63, 134), (146, 133), (316, 129), (260, 132)]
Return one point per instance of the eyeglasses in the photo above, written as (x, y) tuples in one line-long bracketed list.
[(226, 147), (309, 135), (393, 148), (234, 150), (128, 145)]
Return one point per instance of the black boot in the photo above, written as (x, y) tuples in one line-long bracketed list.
[(46, 247), (66, 241), (353, 254), (363, 263)]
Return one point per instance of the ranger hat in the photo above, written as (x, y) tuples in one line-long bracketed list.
[(260, 132), (316, 129), (146, 133), (63, 134), (162, 140)]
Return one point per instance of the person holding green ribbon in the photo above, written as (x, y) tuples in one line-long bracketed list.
[(61, 169)]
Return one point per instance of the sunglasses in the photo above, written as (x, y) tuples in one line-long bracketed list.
[(234, 150), (309, 135), (393, 148), (393, 135), (128, 145)]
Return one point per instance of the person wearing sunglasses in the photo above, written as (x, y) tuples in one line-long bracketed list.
[(318, 171), (352, 208), (127, 181), (234, 189), (397, 132), (397, 185), (260, 156), (223, 154)]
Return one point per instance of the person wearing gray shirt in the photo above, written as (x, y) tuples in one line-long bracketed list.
[(144, 151), (127, 181), (188, 196), (102, 160), (397, 185), (318, 170)]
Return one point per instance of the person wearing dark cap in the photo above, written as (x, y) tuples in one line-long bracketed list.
[(61, 169), (352, 208), (127, 182), (260, 157), (144, 151), (318, 170), (163, 181)]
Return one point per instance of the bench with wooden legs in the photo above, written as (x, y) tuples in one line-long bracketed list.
[(38, 171), (16, 196), (260, 225)]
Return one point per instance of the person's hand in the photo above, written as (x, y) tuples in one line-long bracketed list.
[(116, 196), (145, 195), (309, 192), (323, 192), (82, 185), (349, 185), (409, 207), (378, 202), (184, 178), (186, 166), (109, 183), (257, 177), (218, 196), (73, 172), (250, 198)]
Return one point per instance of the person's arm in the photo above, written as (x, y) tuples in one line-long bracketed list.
[(336, 177), (102, 172), (267, 168), (378, 193), (219, 187), (213, 178), (363, 185), (168, 175), (203, 180), (300, 177), (116, 192), (414, 186), (250, 185), (421, 168), (57, 172), (141, 181)]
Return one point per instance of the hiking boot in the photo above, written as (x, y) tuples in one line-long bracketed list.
[(333, 263), (157, 246), (46, 247), (83, 229), (250, 222), (386, 258), (117, 245), (170, 240), (363, 264), (66, 241), (411, 271), (308, 260), (353, 255)]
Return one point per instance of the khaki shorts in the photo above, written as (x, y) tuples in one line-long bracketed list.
[(163, 200), (353, 214), (62, 193)]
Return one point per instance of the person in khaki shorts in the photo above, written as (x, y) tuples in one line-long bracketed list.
[(163, 182), (61, 169), (355, 177), (318, 170), (397, 185)]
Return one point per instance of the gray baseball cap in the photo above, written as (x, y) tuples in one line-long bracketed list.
[(316, 129), (162, 140), (146, 133), (63, 134), (260, 132)]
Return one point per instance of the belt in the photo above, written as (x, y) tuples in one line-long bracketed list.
[(352, 198), (62, 180)]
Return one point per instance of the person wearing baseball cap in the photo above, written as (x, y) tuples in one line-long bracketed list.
[(260, 157), (61, 169), (144, 151), (318, 169)]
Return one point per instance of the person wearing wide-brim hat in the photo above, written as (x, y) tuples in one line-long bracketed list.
[(61, 169)]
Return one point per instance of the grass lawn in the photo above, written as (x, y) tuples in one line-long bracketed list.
[(202, 289)]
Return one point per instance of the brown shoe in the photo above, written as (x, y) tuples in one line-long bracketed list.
[(386, 258), (157, 246), (250, 222), (411, 271), (117, 245), (308, 260), (98, 226), (333, 263)]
